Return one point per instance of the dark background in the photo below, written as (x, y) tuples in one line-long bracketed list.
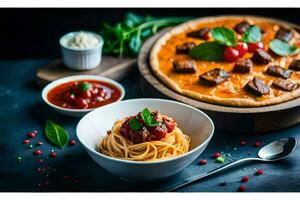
[(34, 33)]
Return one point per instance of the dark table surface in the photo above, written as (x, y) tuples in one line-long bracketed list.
[(22, 110)]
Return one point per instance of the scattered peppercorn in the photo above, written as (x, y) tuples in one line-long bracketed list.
[(216, 155), (65, 177), (35, 131), (259, 172), (72, 142), (77, 181), (31, 135), (39, 143), (242, 143), (37, 152), (220, 159), (202, 162), (245, 179), (257, 144), (241, 188), (53, 154), (46, 182), (26, 141)]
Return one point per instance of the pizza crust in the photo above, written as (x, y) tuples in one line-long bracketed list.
[(236, 102)]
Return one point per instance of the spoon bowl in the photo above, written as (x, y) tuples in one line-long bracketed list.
[(274, 151), (278, 149)]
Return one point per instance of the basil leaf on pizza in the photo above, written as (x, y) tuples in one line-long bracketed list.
[(224, 36), (282, 48), (252, 35), (209, 51)]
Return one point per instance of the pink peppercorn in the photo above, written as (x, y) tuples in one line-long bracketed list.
[(72, 142), (31, 135), (257, 144), (65, 177), (25, 141), (53, 154), (242, 143), (202, 162), (245, 179), (76, 180), (216, 155), (39, 143), (259, 172), (40, 161), (35, 131), (37, 152), (241, 188)]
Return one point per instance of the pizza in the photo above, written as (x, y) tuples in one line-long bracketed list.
[(240, 61)]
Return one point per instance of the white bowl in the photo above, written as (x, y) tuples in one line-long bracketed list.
[(81, 59), (92, 128), (77, 112)]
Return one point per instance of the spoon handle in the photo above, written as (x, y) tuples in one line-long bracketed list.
[(198, 177)]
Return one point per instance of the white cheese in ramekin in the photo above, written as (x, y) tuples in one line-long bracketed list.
[(81, 40)]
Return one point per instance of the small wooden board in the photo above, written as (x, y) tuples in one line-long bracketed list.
[(110, 67), (231, 119)]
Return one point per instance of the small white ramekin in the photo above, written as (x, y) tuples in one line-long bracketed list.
[(81, 59)]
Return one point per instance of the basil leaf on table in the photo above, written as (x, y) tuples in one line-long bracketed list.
[(209, 51), (56, 134), (252, 35), (148, 118), (224, 36), (282, 48)]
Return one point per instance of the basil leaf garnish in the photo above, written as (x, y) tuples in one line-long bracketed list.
[(224, 36), (148, 118), (209, 51), (56, 134), (252, 34), (282, 48), (134, 124), (84, 86)]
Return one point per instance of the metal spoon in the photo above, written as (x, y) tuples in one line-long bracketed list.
[(277, 150)]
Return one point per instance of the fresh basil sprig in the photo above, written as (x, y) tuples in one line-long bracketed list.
[(282, 48), (134, 124), (252, 34), (148, 118), (125, 38), (209, 51), (224, 36), (56, 134)]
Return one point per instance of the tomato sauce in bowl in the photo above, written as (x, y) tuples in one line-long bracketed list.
[(83, 94)]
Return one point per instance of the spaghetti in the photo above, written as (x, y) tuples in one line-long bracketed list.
[(114, 144)]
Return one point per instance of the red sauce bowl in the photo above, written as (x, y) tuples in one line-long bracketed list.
[(78, 95)]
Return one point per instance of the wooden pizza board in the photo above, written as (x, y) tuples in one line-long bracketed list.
[(229, 119), (110, 67)]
